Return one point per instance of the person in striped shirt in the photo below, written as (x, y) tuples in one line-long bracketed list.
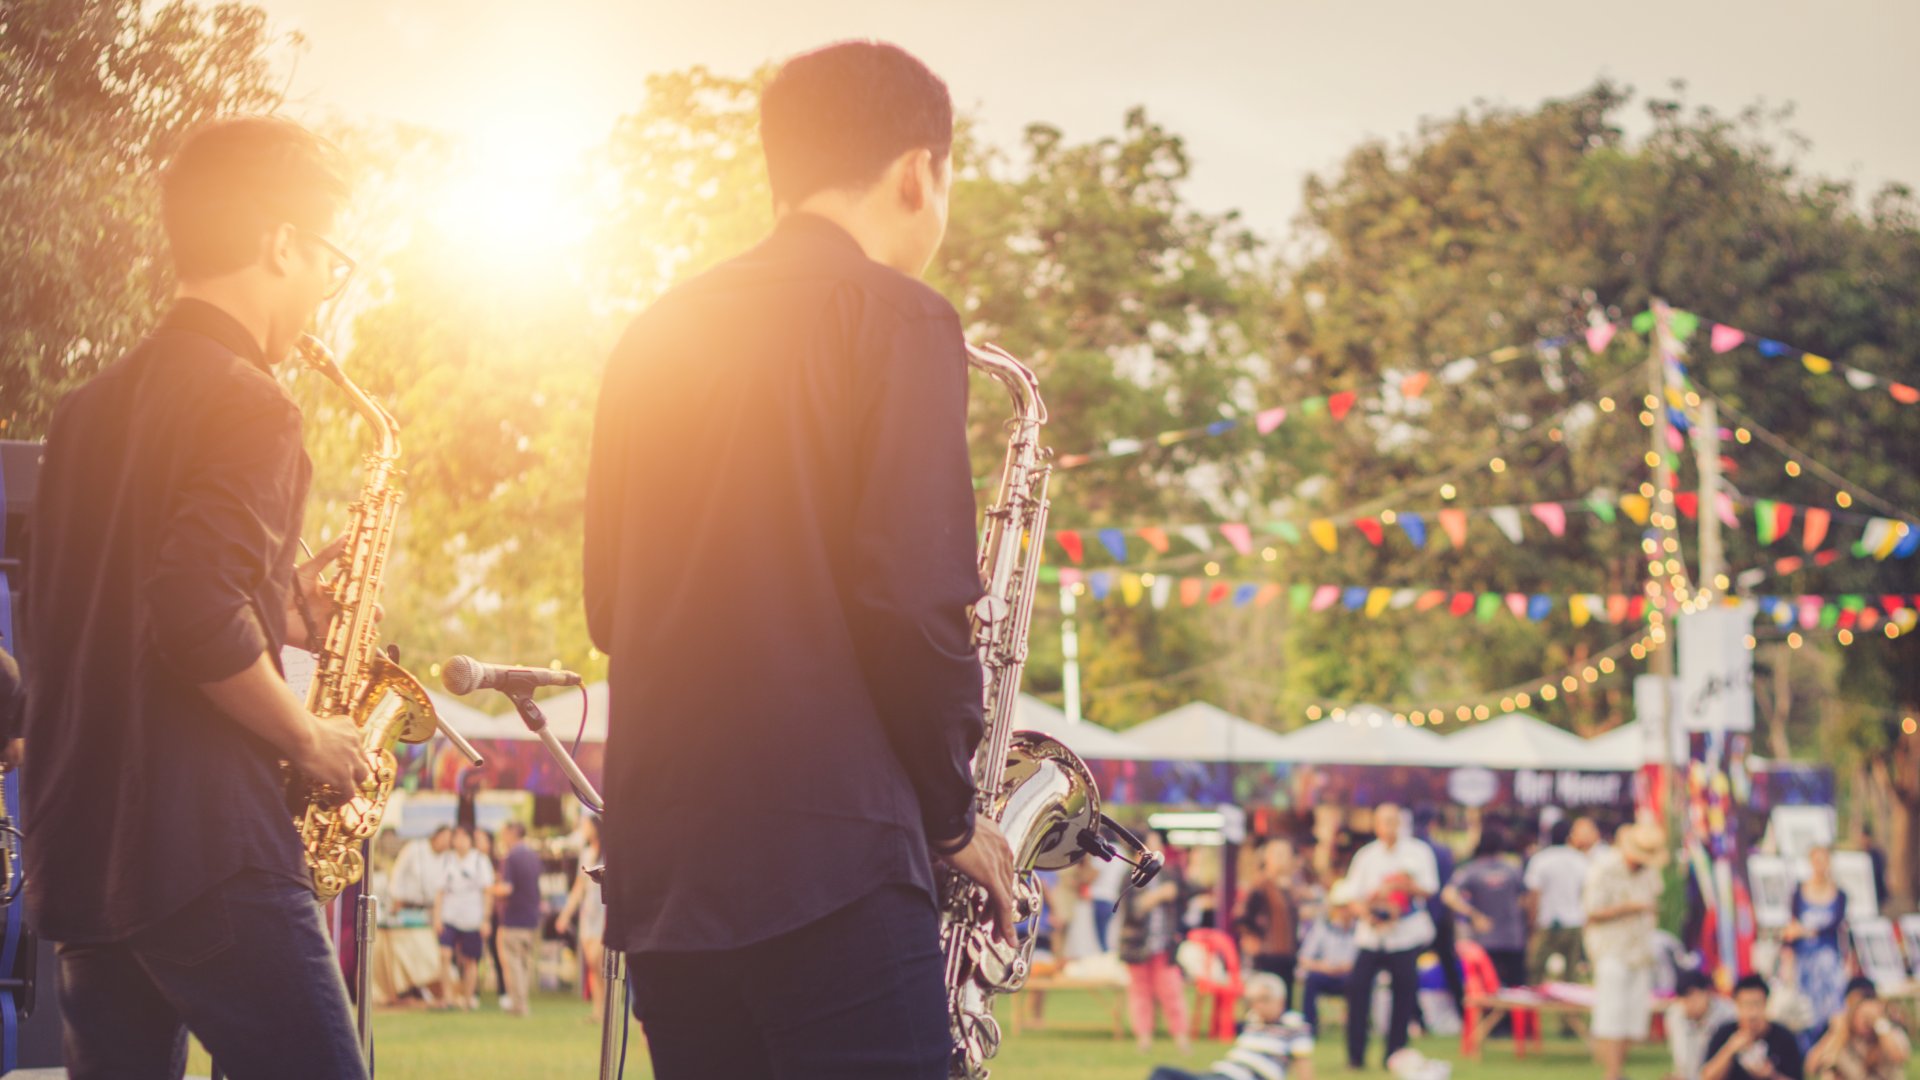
[(1274, 1044)]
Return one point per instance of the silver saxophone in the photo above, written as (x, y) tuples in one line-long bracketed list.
[(1035, 789)]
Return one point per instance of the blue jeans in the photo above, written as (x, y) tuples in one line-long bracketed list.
[(1315, 984), (1102, 918), (857, 995), (247, 967)]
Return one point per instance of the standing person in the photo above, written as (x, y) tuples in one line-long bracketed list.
[(1554, 878), (1149, 937), (1621, 898), (414, 880), (520, 911), (1109, 882), (1487, 893), (801, 717), (164, 540), (1752, 1047), (496, 898), (585, 903), (1270, 917), (1817, 934), (1697, 1011), (1328, 952), (1394, 876), (462, 917), (1444, 931)]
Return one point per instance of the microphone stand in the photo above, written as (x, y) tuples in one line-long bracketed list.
[(612, 963)]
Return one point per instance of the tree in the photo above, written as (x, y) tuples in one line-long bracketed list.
[(93, 98)]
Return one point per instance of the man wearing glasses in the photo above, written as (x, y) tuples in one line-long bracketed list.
[(163, 860)]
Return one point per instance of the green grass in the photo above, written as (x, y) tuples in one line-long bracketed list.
[(1077, 1045)]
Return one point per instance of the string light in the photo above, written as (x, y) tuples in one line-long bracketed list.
[(1845, 500), (1793, 468), (1606, 404), (1388, 517), (1213, 569), (1498, 465), (1448, 491)]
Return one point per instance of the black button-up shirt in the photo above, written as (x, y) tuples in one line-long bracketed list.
[(164, 540), (780, 553), (12, 698)]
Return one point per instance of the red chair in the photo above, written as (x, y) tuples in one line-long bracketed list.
[(1219, 980), (1483, 981)]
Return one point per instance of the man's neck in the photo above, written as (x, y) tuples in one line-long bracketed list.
[(850, 212), (235, 299)]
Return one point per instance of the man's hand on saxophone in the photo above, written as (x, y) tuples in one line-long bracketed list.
[(987, 860)]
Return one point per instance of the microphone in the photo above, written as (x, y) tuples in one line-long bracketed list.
[(463, 675)]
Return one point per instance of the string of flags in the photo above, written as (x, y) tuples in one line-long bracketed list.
[(1721, 338), (1880, 538), (1337, 405), (1806, 611)]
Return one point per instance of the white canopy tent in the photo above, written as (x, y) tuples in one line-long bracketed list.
[(1365, 735), (1085, 738), (1519, 741), (1198, 731), (1624, 747)]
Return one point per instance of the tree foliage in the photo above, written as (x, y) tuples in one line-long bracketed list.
[(93, 98)]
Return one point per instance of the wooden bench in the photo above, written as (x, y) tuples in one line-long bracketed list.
[(1018, 1004), (1485, 1010)]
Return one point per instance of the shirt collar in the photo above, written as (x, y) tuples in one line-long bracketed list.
[(199, 317), (801, 227)]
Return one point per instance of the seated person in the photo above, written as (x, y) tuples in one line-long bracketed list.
[(1696, 1013), (1274, 1044), (1327, 952), (1863, 1042), (1752, 1047)]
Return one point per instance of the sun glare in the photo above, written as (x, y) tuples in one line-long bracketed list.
[(512, 198)]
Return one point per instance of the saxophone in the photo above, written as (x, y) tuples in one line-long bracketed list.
[(1038, 791), (353, 676)]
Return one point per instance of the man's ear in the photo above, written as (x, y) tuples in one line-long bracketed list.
[(916, 178), (279, 245)]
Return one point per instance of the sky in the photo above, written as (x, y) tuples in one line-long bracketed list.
[(1264, 91)]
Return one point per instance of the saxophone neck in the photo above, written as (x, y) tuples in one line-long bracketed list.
[(315, 354)]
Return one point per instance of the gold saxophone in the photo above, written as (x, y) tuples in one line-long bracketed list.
[(1035, 789), (353, 676)]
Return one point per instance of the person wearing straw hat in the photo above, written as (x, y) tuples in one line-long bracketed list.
[(1621, 897)]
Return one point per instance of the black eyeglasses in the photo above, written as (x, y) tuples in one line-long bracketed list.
[(342, 270)]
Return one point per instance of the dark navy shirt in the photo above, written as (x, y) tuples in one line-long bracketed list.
[(780, 555), (521, 870), (163, 545)]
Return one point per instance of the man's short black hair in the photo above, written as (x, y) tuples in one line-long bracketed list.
[(1863, 986), (443, 829), (837, 116), (234, 180), (1691, 980), (1752, 982), (1561, 832)]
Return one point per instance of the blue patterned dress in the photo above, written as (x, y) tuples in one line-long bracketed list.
[(1821, 962)]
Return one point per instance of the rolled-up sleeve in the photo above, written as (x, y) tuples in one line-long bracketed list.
[(225, 533), (917, 560)]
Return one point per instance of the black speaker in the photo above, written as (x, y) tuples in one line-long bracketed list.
[(30, 1034)]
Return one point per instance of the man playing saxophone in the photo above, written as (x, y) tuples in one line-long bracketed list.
[(780, 555), (163, 584)]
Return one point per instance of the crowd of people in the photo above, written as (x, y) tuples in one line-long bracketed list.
[(1371, 921), (483, 902)]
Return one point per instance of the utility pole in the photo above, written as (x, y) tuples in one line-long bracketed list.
[(1664, 511), (1069, 654)]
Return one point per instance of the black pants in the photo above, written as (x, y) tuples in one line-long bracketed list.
[(1281, 964), (857, 994), (247, 967), (1403, 971), (1445, 948)]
